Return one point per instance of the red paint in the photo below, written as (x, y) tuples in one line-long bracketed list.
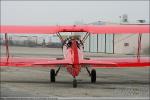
[(95, 29), (72, 60), (76, 67)]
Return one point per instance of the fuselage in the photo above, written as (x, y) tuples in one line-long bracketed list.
[(72, 49)]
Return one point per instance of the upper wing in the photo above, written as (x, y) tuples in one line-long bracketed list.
[(96, 29), (24, 62), (119, 29), (118, 62)]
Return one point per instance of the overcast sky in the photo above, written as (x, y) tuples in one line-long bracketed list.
[(70, 12)]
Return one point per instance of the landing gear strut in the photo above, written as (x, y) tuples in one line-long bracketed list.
[(74, 83), (52, 75), (93, 76)]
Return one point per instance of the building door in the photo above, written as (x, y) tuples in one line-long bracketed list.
[(100, 43), (87, 45), (109, 43), (93, 43)]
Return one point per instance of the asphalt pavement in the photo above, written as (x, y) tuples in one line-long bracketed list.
[(34, 83)]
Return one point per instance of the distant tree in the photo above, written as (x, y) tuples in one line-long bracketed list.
[(43, 43), (10, 41), (124, 18)]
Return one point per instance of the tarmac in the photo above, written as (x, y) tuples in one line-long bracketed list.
[(34, 83)]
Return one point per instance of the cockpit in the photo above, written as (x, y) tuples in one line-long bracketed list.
[(68, 42)]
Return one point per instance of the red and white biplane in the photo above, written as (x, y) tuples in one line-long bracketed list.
[(73, 59)]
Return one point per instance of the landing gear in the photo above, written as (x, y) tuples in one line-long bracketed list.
[(93, 76), (52, 75), (74, 83)]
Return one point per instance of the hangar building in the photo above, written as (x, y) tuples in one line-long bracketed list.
[(116, 43)]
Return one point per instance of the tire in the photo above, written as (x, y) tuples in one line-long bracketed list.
[(52, 75), (74, 83), (87, 58), (93, 76), (59, 58)]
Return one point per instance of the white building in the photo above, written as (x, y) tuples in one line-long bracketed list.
[(128, 44), (115, 43)]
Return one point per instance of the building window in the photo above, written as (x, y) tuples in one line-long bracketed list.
[(126, 44)]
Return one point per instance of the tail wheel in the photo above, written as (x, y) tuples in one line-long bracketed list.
[(93, 76), (52, 75), (74, 83)]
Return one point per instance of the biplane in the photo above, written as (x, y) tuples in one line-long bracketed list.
[(74, 59)]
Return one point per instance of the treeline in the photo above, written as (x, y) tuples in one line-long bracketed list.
[(29, 43)]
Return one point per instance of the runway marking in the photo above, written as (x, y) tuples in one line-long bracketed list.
[(77, 98)]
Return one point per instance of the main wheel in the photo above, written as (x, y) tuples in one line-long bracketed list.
[(52, 75), (93, 76), (74, 83)]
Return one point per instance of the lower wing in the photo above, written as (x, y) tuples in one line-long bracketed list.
[(25, 62), (118, 62)]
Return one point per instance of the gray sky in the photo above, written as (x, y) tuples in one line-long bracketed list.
[(70, 12)]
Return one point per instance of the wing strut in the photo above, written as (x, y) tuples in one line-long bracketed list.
[(139, 45), (7, 47), (85, 37), (60, 37)]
